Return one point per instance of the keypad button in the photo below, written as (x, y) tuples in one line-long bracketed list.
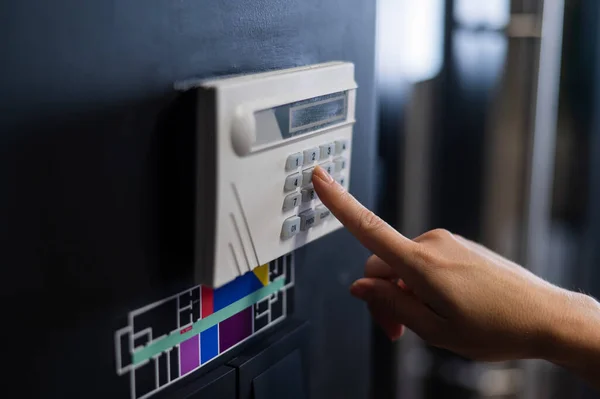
[(307, 175), (322, 213), (291, 201), (341, 146), (329, 167), (308, 219), (294, 161), (311, 155), (292, 182), (308, 194), (291, 227), (341, 180), (327, 150), (340, 164)]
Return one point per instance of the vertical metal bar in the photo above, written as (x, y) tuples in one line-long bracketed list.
[(412, 357), (544, 137), (537, 220), (590, 257)]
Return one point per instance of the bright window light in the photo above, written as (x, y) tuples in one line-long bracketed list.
[(492, 14), (410, 39)]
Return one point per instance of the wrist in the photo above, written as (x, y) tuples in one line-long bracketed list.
[(571, 339)]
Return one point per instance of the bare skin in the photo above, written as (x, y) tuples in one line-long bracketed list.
[(460, 296)]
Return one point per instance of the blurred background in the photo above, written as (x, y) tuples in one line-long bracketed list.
[(487, 128)]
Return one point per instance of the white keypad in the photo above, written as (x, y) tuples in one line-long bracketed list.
[(308, 194), (294, 161), (329, 167), (292, 201), (311, 155), (341, 146), (291, 227), (334, 161), (307, 175), (322, 213), (308, 219), (327, 150), (292, 182), (340, 164)]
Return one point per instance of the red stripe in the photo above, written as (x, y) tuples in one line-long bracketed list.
[(188, 328), (207, 301)]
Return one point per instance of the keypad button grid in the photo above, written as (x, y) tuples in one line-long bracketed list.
[(303, 179)]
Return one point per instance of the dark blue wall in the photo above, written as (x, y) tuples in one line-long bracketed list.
[(82, 87)]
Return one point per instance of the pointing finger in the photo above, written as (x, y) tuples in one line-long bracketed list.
[(376, 235)]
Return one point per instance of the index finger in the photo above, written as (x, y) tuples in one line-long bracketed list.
[(375, 234)]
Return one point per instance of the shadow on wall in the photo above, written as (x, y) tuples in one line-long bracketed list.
[(84, 206)]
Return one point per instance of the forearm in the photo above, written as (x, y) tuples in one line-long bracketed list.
[(573, 341)]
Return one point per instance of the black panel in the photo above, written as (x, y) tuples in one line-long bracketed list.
[(145, 379), (274, 348), (195, 311), (189, 315), (276, 306), (174, 363), (162, 319), (163, 370), (196, 294), (218, 384), (290, 300), (289, 274), (185, 317), (262, 306), (284, 379), (92, 186), (261, 320), (141, 340), (125, 354), (275, 269), (184, 300)]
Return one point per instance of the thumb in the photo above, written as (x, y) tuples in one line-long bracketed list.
[(384, 296)]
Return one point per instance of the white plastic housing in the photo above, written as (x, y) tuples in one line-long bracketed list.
[(240, 184)]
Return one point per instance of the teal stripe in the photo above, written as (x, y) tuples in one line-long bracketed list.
[(176, 338)]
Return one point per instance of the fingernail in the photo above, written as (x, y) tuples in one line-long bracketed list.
[(358, 290), (321, 174)]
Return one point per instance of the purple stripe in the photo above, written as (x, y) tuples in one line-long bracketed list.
[(235, 329), (189, 355)]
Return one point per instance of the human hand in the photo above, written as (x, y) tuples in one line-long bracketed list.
[(453, 293)]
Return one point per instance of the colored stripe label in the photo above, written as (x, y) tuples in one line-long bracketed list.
[(207, 301), (176, 338)]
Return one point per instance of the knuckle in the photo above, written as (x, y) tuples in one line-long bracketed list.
[(422, 256), (345, 197), (344, 201), (372, 259), (439, 234), (368, 221), (434, 235)]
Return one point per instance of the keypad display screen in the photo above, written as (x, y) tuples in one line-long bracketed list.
[(302, 117), (308, 115)]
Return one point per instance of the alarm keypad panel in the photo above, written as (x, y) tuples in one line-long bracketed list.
[(327, 152), (270, 130)]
